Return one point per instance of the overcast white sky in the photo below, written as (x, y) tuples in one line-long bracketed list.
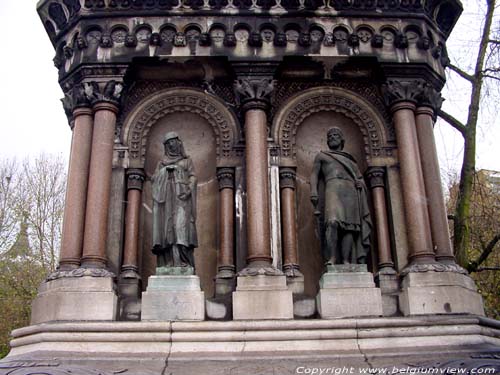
[(33, 119)]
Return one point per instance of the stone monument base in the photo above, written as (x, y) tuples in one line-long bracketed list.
[(173, 297), (439, 293), (348, 291), (262, 297), (75, 298)]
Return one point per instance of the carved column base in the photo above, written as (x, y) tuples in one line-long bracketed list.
[(129, 286), (225, 281), (388, 282), (434, 292), (75, 296), (294, 278), (262, 297)]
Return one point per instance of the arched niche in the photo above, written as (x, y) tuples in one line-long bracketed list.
[(207, 130), (300, 129)]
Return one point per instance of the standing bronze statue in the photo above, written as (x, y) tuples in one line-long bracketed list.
[(174, 206), (345, 219)]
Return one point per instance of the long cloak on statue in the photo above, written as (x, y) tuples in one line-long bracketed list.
[(174, 218), (344, 204)]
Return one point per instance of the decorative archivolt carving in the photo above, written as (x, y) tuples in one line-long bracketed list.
[(148, 112), (320, 99)]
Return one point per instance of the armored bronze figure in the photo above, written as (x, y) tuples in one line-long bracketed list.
[(344, 218), (174, 206)]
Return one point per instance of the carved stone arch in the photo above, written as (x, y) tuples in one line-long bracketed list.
[(138, 123), (351, 105)]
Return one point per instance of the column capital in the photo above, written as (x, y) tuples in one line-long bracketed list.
[(376, 177), (397, 91), (287, 178), (108, 92), (254, 92), (74, 99), (135, 179), (225, 176), (430, 97)]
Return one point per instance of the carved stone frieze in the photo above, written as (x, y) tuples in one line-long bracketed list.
[(287, 178), (181, 101), (285, 90), (433, 267), (402, 90), (326, 100), (225, 176), (80, 272)]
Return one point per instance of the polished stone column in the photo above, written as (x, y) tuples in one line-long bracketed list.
[(414, 197), (96, 219), (225, 258), (135, 178), (262, 291), (433, 188), (377, 186), (76, 191), (288, 220), (258, 222), (401, 95)]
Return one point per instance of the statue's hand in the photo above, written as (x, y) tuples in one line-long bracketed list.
[(314, 200), (185, 194), (358, 184)]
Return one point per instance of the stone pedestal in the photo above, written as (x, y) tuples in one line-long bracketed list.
[(348, 291), (262, 297), (439, 293), (173, 297), (84, 298), (388, 282)]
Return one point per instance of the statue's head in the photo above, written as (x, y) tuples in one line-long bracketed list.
[(335, 139), (172, 144)]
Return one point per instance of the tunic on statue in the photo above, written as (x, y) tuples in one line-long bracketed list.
[(345, 205), (174, 217)]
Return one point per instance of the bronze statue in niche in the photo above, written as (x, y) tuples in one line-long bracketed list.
[(344, 223), (174, 206)]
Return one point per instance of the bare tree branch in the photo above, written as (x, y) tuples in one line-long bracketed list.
[(473, 266), (481, 269), (492, 77), (461, 73), (452, 121)]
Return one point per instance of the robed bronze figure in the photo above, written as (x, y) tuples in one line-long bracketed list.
[(345, 218), (174, 206)]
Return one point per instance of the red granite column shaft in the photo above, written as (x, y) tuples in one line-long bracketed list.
[(96, 220), (76, 190), (432, 179), (288, 220), (414, 197), (132, 220), (376, 177), (258, 225), (225, 259)]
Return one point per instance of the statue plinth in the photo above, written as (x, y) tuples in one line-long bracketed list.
[(174, 295), (262, 296), (348, 291)]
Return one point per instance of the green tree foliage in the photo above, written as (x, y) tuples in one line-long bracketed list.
[(484, 249), (31, 208)]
